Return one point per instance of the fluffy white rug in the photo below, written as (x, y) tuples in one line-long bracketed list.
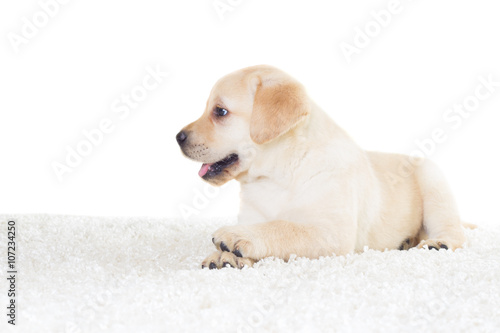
[(89, 274)]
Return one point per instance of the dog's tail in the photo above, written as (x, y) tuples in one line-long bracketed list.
[(469, 225)]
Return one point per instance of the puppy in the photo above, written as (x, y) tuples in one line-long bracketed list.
[(306, 187)]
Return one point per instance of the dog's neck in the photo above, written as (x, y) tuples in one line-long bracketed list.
[(279, 159)]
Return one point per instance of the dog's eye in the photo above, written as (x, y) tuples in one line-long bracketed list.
[(220, 112)]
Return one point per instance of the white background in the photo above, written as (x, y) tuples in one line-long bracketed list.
[(395, 91)]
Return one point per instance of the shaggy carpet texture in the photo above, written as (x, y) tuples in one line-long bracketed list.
[(91, 274)]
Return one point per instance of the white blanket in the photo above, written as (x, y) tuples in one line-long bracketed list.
[(92, 274)]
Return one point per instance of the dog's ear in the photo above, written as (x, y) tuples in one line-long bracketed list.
[(278, 106)]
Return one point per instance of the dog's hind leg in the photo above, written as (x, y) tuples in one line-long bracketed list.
[(441, 222)]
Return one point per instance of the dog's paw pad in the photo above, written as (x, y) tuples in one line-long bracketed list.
[(408, 244), (433, 244), (227, 264), (237, 253), (224, 247), (218, 260)]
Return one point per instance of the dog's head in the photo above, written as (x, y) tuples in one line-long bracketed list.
[(245, 110)]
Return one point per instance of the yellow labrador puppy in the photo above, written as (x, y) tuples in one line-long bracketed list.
[(306, 187)]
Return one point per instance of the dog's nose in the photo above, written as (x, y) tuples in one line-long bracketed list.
[(181, 137)]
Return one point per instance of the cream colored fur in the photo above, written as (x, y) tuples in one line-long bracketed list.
[(306, 187)]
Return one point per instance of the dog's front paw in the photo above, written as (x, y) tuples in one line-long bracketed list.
[(220, 259), (237, 240), (436, 244)]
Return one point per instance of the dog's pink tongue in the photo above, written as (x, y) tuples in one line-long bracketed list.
[(204, 169)]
